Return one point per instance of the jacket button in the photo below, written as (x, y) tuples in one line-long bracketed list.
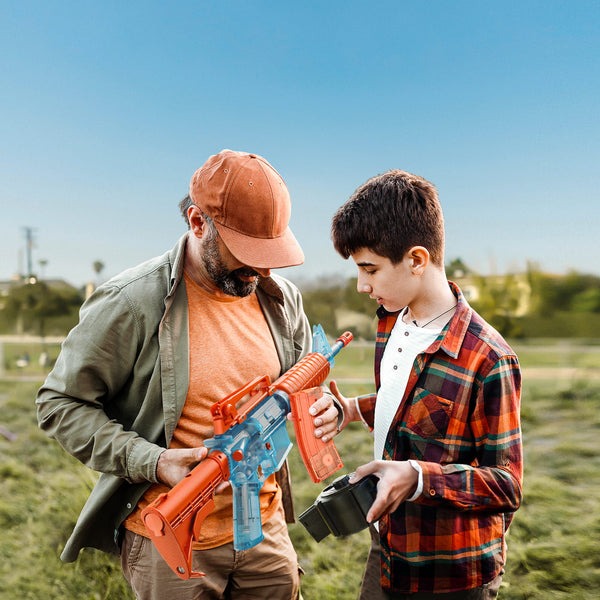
[(432, 492)]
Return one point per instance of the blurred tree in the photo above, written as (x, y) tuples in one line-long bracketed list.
[(498, 303), (534, 303), (587, 300), (359, 302), (571, 292), (320, 304), (31, 304), (98, 267), (457, 268), (43, 264)]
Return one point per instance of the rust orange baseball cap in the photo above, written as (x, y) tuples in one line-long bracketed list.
[(250, 206)]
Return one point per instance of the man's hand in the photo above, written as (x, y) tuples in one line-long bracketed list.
[(397, 482), (174, 464), (326, 416)]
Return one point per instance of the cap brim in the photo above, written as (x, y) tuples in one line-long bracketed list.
[(263, 253)]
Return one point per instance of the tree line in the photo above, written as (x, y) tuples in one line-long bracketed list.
[(527, 305), (531, 304)]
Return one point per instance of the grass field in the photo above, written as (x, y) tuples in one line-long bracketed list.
[(554, 543)]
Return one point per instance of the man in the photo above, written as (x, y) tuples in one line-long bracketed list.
[(445, 418), (155, 347)]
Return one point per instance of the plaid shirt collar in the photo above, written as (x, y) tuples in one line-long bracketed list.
[(449, 340)]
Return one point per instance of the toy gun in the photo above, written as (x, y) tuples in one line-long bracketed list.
[(250, 443)]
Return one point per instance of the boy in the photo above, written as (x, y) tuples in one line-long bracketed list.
[(445, 417)]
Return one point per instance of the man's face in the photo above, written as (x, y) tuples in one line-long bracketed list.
[(229, 275)]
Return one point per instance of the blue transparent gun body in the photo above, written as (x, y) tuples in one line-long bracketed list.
[(255, 448)]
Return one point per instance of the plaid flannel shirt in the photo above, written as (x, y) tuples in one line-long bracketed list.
[(460, 419)]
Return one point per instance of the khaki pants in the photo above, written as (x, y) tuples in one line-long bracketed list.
[(268, 571)]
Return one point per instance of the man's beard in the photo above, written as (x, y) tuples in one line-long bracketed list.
[(227, 281)]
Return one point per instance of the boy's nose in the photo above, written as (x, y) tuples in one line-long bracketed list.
[(362, 287)]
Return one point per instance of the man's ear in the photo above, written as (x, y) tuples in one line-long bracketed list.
[(418, 259), (196, 220)]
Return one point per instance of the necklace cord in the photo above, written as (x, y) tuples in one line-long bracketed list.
[(434, 318)]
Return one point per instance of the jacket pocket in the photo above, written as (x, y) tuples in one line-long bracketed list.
[(429, 415)]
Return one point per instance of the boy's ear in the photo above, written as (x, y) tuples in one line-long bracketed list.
[(418, 259)]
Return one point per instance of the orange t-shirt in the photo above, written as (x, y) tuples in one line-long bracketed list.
[(229, 344)]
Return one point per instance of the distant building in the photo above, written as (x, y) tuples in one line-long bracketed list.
[(57, 284)]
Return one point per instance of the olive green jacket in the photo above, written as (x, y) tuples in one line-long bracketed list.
[(114, 397)]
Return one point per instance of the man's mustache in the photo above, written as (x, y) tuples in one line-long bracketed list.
[(245, 272)]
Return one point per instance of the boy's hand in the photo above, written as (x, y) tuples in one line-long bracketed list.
[(348, 406), (397, 482)]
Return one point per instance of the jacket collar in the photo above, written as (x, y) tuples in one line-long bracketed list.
[(177, 260)]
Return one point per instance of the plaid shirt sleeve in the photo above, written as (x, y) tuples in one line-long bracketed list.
[(491, 479)]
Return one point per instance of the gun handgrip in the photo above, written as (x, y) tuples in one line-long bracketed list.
[(247, 522), (320, 458)]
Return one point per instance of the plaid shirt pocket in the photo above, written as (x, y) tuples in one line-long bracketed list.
[(429, 415)]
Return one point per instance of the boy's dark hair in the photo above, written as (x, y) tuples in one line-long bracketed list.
[(389, 214)]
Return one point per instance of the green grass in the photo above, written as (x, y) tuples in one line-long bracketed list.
[(569, 353), (42, 490), (11, 352), (553, 542)]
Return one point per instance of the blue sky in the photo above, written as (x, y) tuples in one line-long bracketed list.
[(109, 107)]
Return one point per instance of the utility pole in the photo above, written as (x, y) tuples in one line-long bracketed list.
[(28, 248)]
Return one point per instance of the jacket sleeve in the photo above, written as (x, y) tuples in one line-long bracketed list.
[(493, 482), (289, 322), (96, 360)]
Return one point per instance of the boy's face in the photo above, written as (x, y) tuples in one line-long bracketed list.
[(393, 286)]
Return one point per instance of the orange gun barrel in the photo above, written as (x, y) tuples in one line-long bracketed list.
[(311, 371)]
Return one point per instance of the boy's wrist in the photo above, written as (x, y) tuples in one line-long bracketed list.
[(341, 416), (419, 487)]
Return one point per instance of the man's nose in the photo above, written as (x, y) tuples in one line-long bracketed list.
[(262, 272)]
